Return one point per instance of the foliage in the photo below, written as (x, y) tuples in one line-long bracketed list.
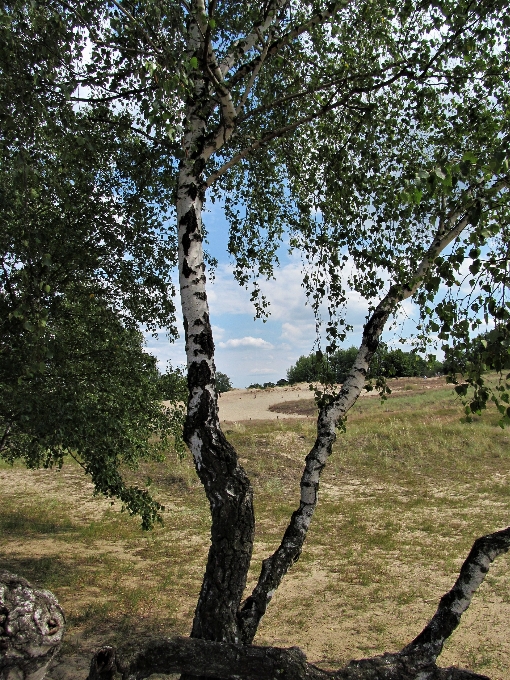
[(95, 398), (173, 385), (400, 364), (472, 359), (223, 382), (414, 122), (85, 259)]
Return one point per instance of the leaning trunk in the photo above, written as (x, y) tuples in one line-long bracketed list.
[(275, 567)]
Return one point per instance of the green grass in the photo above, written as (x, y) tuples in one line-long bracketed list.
[(405, 493)]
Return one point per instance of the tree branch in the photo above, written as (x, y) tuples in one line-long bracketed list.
[(280, 132), (267, 138), (277, 44), (204, 658), (112, 97), (276, 104), (430, 641), (276, 566), (252, 79), (215, 75), (135, 21), (5, 435), (241, 47), (331, 414)]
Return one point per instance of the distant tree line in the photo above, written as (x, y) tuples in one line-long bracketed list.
[(386, 362), (490, 351), (267, 385)]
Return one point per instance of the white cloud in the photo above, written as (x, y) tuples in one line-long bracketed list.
[(263, 371), (218, 332), (285, 294), (247, 341), (296, 334)]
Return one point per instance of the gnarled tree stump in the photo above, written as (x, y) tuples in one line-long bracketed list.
[(31, 629)]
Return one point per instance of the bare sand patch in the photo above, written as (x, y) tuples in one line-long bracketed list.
[(255, 404)]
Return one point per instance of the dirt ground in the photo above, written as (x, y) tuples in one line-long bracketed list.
[(238, 405), (250, 404)]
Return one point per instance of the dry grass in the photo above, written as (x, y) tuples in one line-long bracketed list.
[(407, 490)]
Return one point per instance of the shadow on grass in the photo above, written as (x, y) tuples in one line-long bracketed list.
[(24, 521), (43, 572)]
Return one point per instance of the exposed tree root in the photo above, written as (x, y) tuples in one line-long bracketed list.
[(226, 660), (417, 661)]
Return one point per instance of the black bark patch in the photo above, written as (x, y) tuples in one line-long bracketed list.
[(204, 340), (198, 163), (199, 375), (198, 322), (202, 414), (191, 232), (186, 269), (373, 329), (200, 295)]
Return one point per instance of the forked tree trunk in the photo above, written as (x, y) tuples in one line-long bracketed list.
[(219, 615)]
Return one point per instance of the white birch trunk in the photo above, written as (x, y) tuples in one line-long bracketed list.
[(226, 485)]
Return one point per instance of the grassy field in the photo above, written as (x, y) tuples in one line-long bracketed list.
[(407, 490)]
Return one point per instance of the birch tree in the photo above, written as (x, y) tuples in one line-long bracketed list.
[(368, 133)]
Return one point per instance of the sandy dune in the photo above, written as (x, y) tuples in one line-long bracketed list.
[(251, 404), (254, 404)]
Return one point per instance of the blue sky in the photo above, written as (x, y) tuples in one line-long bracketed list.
[(249, 350)]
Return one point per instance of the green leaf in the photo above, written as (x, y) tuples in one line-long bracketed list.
[(469, 156)]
